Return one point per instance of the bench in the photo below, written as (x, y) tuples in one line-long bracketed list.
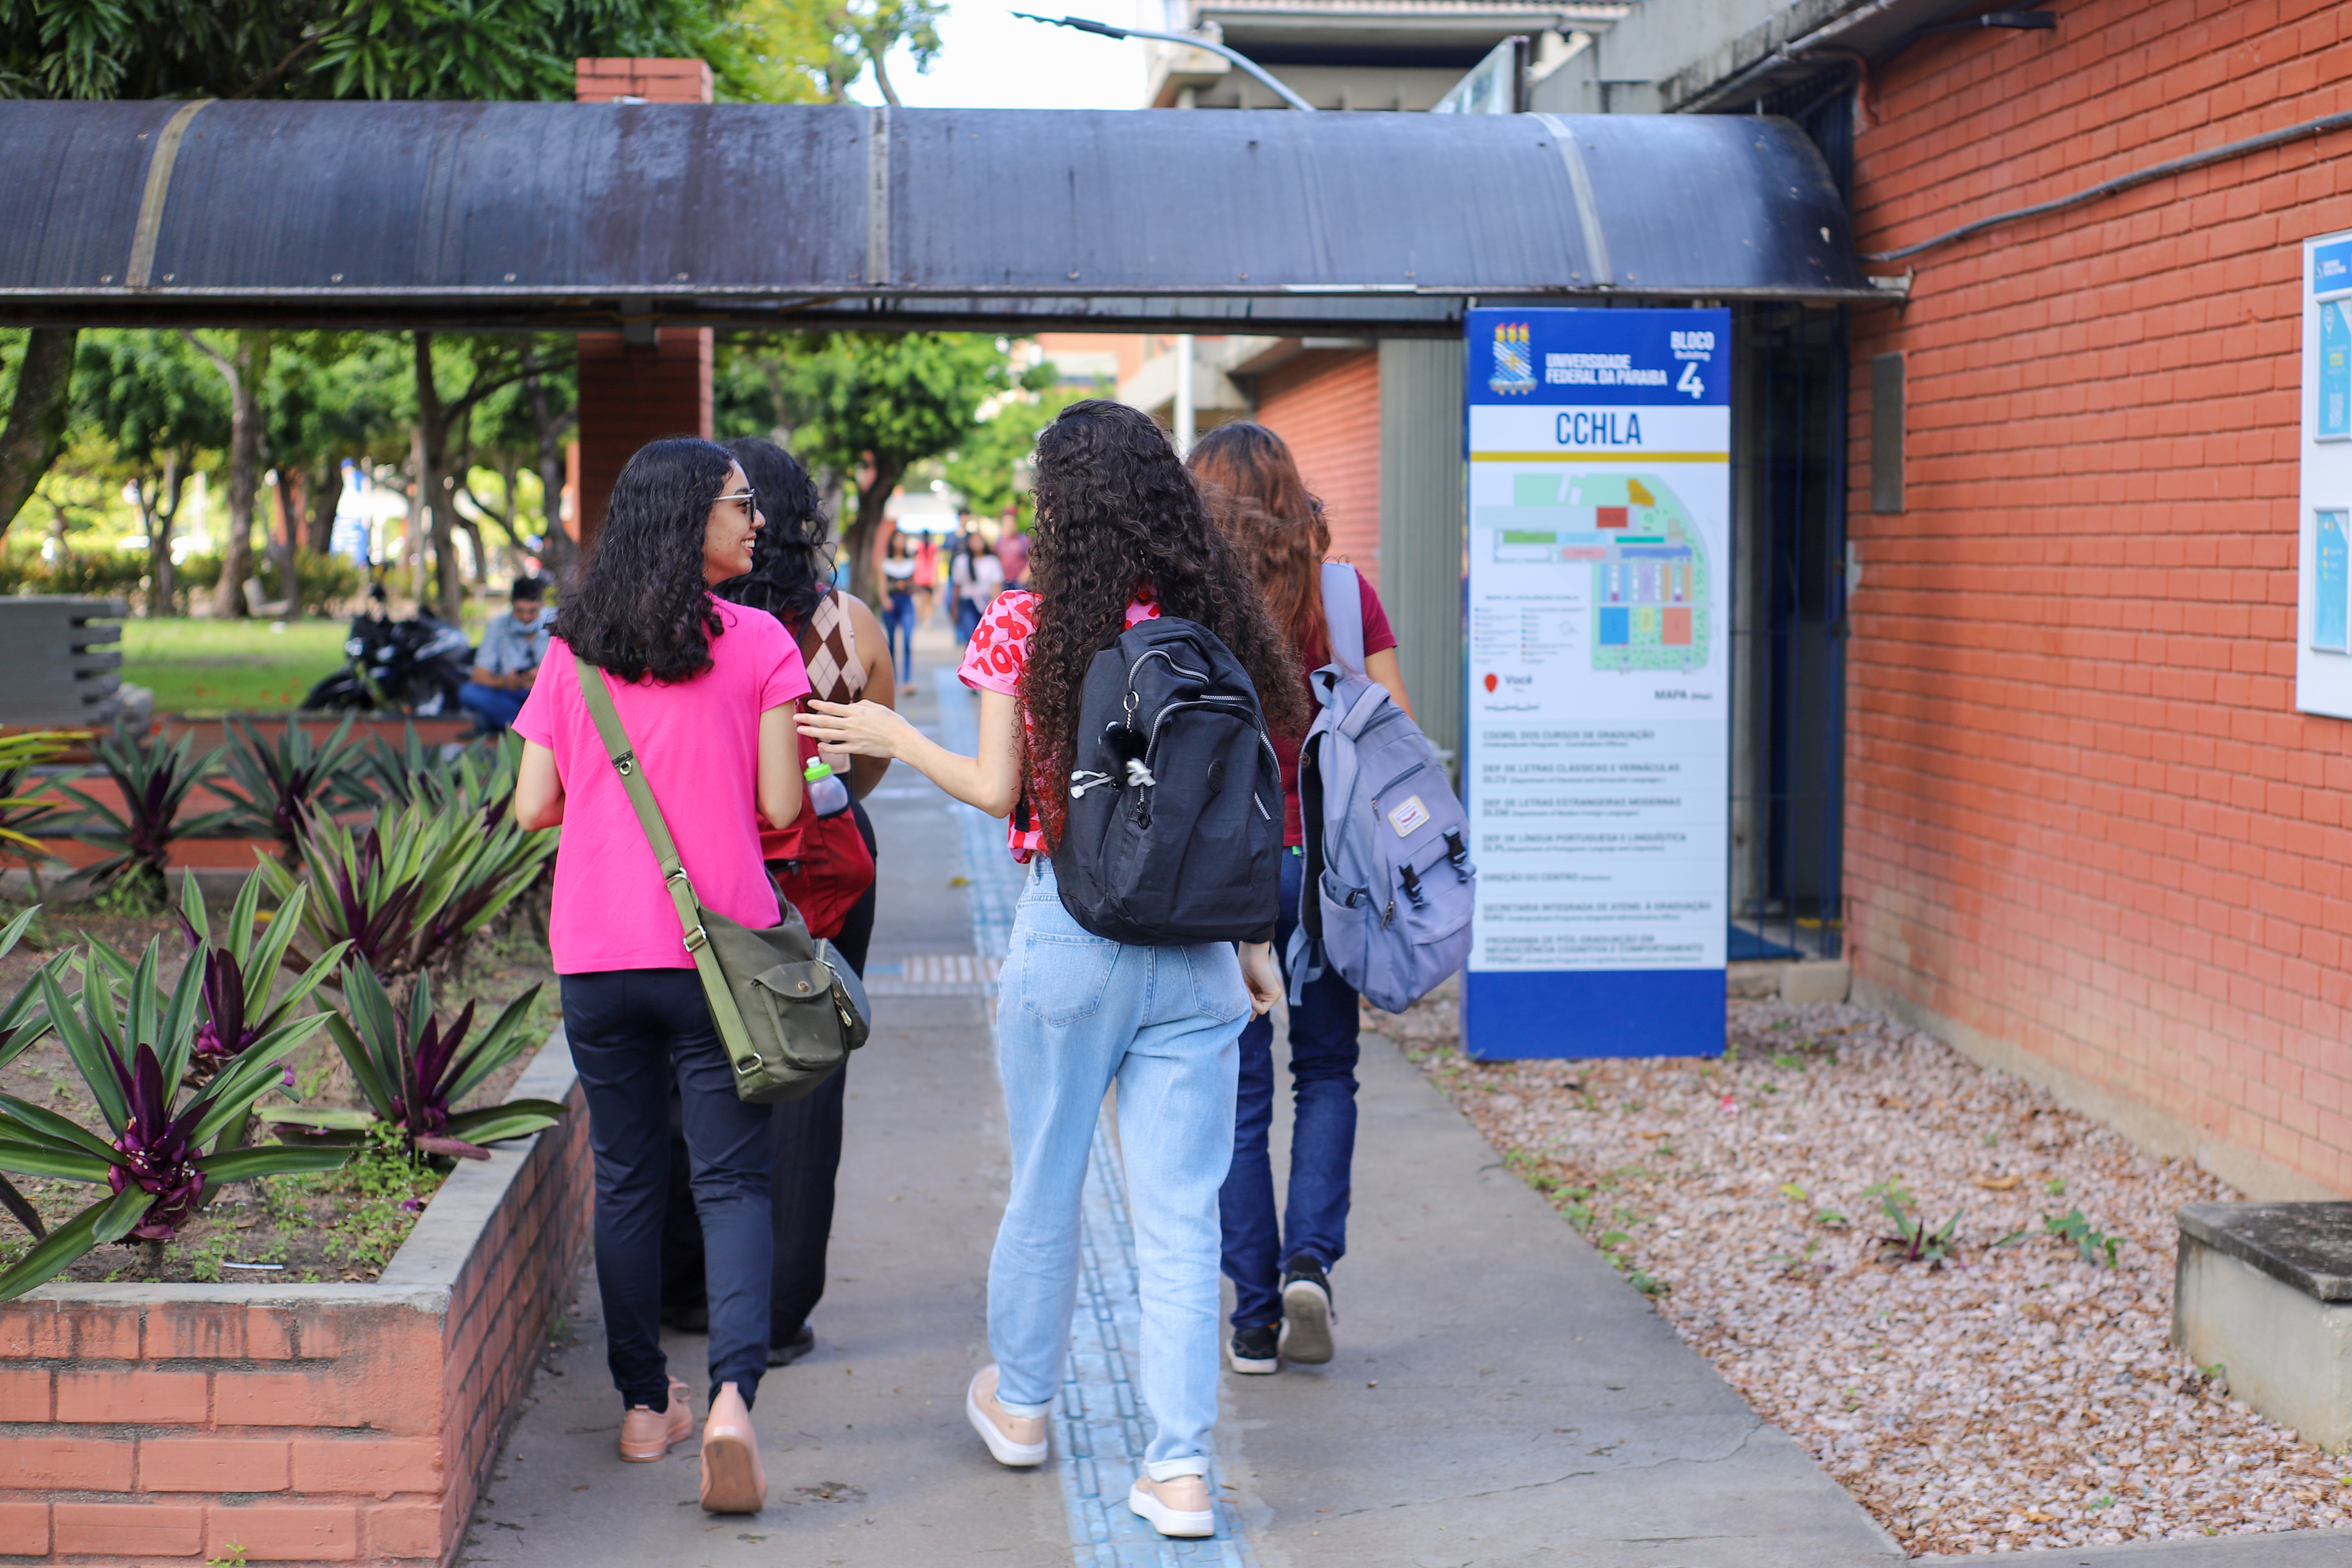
[(2265, 1290), (64, 668)]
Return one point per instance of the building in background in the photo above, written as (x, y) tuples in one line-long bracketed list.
[(2021, 548)]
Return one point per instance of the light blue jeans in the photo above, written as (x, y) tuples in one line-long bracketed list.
[(1076, 1012)]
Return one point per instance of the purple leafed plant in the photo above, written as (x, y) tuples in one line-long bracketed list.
[(157, 1148)]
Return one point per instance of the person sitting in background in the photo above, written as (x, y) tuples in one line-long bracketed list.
[(513, 646)]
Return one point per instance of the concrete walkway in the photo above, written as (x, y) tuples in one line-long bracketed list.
[(1500, 1397)]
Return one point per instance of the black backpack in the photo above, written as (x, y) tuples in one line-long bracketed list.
[(1174, 829)]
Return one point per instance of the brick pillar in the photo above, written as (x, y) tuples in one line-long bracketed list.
[(633, 392)]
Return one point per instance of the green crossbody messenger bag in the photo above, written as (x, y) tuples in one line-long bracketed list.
[(788, 1006)]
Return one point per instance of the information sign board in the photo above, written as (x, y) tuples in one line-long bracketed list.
[(1597, 722), (2323, 657)]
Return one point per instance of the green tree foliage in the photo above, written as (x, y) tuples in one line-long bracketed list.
[(416, 49), (867, 406), (467, 49), (985, 467), (163, 408)]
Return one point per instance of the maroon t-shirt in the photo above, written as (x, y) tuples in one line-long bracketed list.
[(1378, 638)]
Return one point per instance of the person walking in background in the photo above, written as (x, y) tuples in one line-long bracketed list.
[(1282, 1273), (927, 577), (1012, 554), (706, 691), (1122, 537), (975, 580), (841, 643), (898, 614), (513, 646)]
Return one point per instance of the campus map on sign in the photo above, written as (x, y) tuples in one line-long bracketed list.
[(1597, 722), (1649, 566)]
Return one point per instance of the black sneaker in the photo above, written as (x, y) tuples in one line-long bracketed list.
[(1307, 1314), (1252, 1350), (792, 1349)]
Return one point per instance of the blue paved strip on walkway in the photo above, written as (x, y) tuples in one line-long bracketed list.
[(1100, 1428)]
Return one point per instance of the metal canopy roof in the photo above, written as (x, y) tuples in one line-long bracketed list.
[(569, 216)]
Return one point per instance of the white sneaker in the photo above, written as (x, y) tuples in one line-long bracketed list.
[(1178, 1506), (1015, 1440), (1307, 1313)]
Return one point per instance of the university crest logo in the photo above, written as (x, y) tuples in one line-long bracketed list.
[(1514, 359)]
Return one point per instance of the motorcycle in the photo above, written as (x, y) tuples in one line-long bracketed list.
[(414, 666)]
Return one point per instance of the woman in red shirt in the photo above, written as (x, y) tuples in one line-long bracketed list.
[(1282, 1273)]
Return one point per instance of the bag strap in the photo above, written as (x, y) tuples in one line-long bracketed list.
[(1343, 615), (598, 695)]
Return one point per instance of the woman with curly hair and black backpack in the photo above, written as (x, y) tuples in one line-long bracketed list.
[(706, 691), (1122, 536)]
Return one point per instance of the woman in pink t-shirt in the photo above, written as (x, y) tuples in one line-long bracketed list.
[(706, 690), (1121, 535)]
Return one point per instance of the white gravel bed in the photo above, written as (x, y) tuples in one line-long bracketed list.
[(2008, 1398)]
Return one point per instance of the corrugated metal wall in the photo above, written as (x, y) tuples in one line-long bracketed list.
[(1421, 523)]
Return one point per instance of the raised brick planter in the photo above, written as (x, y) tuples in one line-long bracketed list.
[(309, 1423)]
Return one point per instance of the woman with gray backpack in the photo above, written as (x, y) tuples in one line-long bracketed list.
[(1281, 1270), (1121, 732)]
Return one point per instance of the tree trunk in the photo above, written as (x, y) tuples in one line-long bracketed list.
[(326, 498), (163, 590), (432, 453), (36, 431), (857, 543), (557, 553), (243, 373), (291, 492)]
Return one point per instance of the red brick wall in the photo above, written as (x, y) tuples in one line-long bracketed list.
[(334, 1431), (1326, 406), (629, 396), (2084, 818)]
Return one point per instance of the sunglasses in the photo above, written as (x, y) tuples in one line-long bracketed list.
[(749, 496)]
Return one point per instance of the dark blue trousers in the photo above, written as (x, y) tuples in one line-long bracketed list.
[(632, 1031), (494, 708), (1323, 1048)]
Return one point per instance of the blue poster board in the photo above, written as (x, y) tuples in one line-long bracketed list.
[(1597, 719)]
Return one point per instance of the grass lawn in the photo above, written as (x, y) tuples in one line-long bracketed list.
[(216, 666)]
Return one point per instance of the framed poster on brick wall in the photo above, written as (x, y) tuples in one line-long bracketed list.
[(2323, 643)]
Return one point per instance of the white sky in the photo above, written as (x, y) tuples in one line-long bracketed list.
[(992, 59)]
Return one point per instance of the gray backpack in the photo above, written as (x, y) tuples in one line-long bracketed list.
[(1389, 881)]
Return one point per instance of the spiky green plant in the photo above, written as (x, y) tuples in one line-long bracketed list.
[(155, 776), (25, 803), (133, 1043), (23, 1021), (412, 1069), (277, 787), (411, 888)]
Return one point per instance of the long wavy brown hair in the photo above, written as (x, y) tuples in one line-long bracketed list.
[(1258, 500), (1117, 512)]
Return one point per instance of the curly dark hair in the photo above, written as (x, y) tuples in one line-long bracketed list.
[(789, 575), (642, 608), (1116, 511)]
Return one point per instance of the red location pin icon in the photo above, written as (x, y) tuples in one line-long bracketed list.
[(1490, 684)]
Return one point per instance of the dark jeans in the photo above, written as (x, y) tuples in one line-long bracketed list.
[(492, 707), (968, 613), (633, 1031), (805, 1152), (898, 627), (1323, 1047)]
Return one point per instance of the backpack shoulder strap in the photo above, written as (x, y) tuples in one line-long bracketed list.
[(598, 696), (1343, 615)]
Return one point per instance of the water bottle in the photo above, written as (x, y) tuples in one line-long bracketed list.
[(827, 796)]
